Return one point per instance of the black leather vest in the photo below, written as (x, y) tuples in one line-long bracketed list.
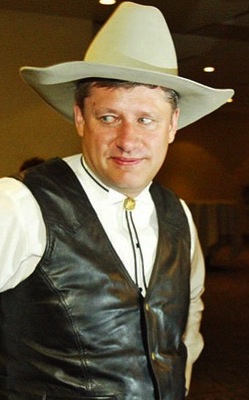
[(78, 327)]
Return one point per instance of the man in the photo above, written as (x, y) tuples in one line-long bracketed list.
[(101, 269)]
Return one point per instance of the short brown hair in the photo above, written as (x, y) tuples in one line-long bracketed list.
[(83, 89)]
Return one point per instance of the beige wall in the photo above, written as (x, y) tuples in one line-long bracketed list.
[(208, 160), (28, 127)]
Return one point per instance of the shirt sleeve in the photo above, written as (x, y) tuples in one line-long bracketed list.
[(192, 336), (21, 234)]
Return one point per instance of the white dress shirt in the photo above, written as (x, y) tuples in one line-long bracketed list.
[(23, 240)]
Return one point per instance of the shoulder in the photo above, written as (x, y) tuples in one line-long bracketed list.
[(16, 202), (167, 199), (13, 190), (19, 230)]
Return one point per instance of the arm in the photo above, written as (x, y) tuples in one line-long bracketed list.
[(192, 337), (20, 233)]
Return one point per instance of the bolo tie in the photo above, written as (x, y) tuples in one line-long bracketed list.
[(129, 205)]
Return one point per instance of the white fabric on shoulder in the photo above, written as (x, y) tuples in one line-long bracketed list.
[(21, 244)]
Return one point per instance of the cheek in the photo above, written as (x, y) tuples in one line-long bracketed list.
[(161, 144), (160, 151), (161, 154), (96, 144)]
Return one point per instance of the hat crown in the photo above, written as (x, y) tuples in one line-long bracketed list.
[(135, 36), (134, 45)]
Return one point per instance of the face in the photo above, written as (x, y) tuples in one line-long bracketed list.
[(125, 134)]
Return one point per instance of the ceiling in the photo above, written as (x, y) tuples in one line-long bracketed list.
[(214, 32)]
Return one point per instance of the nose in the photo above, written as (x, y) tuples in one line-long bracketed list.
[(127, 138)]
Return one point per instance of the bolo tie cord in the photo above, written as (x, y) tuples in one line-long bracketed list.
[(129, 205), (130, 221)]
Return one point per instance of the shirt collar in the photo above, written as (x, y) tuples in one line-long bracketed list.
[(100, 194)]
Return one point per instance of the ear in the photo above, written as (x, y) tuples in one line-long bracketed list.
[(78, 120), (174, 125)]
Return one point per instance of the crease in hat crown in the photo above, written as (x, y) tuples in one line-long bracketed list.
[(144, 43), (135, 45)]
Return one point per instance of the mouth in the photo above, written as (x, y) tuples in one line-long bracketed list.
[(126, 162)]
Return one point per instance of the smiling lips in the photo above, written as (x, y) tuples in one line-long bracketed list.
[(123, 161)]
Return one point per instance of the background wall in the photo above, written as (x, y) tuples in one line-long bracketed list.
[(28, 127), (209, 160)]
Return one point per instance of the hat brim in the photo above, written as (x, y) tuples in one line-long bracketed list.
[(56, 85)]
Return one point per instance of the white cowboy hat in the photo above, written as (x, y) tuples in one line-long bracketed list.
[(134, 45)]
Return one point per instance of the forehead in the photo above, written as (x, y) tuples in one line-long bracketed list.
[(133, 93), (85, 87), (135, 101)]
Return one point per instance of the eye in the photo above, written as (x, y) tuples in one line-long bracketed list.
[(145, 120), (108, 119)]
